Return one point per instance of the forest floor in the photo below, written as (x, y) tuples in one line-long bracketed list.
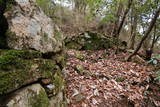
[(103, 79)]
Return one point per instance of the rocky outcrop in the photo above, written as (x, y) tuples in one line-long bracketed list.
[(30, 28), (88, 41), (31, 57)]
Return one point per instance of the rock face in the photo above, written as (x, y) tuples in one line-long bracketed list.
[(30, 28), (31, 96)]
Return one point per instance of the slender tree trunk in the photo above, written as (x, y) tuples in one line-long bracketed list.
[(121, 25), (116, 23), (150, 51), (123, 18), (157, 38), (133, 29), (153, 21), (154, 38), (154, 41)]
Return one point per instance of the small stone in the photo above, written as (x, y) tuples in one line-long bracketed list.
[(155, 62), (93, 86), (76, 92), (94, 101), (79, 97), (96, 92), (50, 86), (80, 69)]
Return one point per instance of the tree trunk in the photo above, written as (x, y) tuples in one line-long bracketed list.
[(133, 29), (150, 51), (153, 21), (154, 38), (116, 23), (123, 18), (121, 25)]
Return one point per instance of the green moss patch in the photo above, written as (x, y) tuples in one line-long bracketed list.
[(41, 100), (10, 59), (59, 83), (60, 59), (25, 54), (58, 35), (120, 79)]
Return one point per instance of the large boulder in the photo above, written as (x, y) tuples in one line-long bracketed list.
[(31, 96), (30, 28)]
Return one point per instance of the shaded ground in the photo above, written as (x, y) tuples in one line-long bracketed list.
[(103, 79)]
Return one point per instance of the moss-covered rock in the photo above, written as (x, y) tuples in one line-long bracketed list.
[(80, 69), (88, 41), (71, 44), (10, 59), (60, 59), (79, 56), (41, 100), (30, 96), (58, 101), (59, 82), (18, 68)]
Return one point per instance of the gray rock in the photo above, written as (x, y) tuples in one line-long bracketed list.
[(80, 97), (31, 96), (30, 28), (58, 100)]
